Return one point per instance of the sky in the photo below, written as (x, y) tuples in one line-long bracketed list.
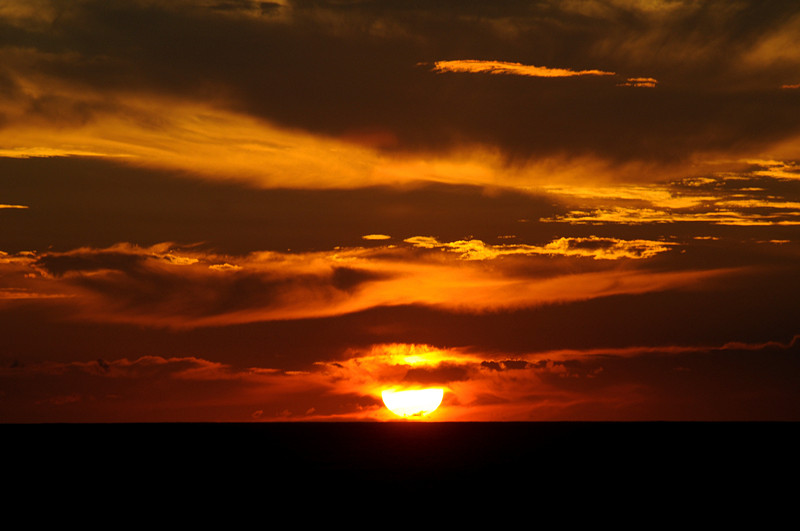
[(242, 211)]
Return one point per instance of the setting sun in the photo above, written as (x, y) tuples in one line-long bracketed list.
[(413, 403)]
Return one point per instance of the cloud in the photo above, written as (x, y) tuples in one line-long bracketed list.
[(63, 94), (586, 384), (517, 69), (649, 225), (645, 215), (144, 389), (777, 46), (776, 169), (665, 383), (647, 82), (755, 197), (165, 285), (591, 247), (28, 14)]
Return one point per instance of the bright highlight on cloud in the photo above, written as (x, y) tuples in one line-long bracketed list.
[(165, 285), (517, 69), (757, 197), (591, 247)]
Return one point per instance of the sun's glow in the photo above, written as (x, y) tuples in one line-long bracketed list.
[(412, 402)]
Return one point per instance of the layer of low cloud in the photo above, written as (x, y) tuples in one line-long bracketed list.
[(668, 382)]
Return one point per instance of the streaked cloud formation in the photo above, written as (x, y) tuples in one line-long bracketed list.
[(647, 82), (247, 210), (592, 247), (168, 286), (502, 67), (756, 197), (62, 95)]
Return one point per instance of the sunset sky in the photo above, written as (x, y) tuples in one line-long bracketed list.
[(230, 210)]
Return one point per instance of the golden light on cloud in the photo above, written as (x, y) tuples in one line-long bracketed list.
[(592, 247), (647, 82), (413, 403), (517, 69), (107, 283), (387, 238)]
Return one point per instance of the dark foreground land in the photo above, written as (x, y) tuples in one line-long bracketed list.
[(540, 461)]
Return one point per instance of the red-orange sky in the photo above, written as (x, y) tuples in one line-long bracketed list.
[(236, 210)]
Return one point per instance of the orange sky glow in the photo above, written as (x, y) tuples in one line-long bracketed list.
[(275, 211)]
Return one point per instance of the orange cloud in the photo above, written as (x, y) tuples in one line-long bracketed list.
[(591, 247), (635, 216), (647, 82), (168, 286), (590, 384), (721, 199), (777, 169), (518, 69)]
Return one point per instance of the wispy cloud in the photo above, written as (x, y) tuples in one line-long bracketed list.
[(185, 288), (635, 216), (517, 69), (591, 247), (757, 197), (647, 82)]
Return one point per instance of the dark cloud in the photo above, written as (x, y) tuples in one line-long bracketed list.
[(507, 365), (87, 284), (747, 308), (515, 364), (348, 279), (246, 5), (733, 384), (492, 365), (337, 69), (60, 264), (77, 202)]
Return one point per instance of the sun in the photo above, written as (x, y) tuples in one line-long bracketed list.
[(413, 402)]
